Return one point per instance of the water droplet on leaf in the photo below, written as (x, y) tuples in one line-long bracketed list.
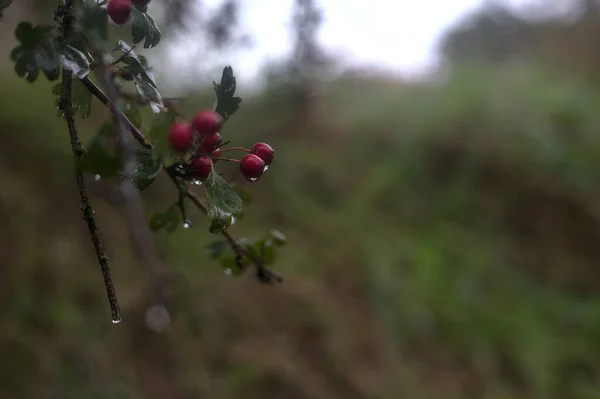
[(116, 321), (187, 224), (97, 177)]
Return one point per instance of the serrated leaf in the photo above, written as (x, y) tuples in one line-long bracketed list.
[(144, 27), (102, 156), (159, 131), (168, 220), (3, 5), (93, 22), (149, 167), (75, 61), (227, 104), (38, 49), (223, 202)]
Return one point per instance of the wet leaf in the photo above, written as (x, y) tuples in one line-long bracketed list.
[(227, 104), (136, 65), (223, 202), (149, 167), (75, 61), (102, 157), (93, 22), (147, 91), (38, 49), (144, 27)]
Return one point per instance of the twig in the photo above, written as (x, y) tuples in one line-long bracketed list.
[(78, 151), (100, 95), (122, 57), (143, 240), (264, 274)]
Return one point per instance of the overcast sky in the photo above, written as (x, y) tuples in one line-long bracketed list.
[(399, 35)]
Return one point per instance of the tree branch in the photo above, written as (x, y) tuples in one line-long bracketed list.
[(65, 105), (264, 273), (143, 239)]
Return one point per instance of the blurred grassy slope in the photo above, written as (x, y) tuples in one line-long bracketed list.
[(443, 243)]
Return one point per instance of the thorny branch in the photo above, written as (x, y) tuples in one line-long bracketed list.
[(78, 152), (264, 274)]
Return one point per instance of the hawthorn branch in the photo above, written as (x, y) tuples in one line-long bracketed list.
[(66, 106), (263, 272), (142, 237)]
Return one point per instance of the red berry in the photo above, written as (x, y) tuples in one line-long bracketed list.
[(181, 137), (200, 167), (140, 2), (211, 143), (252, 167), (215, 155), (264, 152), (207, 122), (119, 11)]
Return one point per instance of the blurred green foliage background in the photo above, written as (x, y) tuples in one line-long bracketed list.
[(443, 243)]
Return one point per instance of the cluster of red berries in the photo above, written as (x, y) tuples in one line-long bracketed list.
[(120, 10), (204, 130)]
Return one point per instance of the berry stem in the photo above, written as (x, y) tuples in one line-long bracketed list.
[(236, 149), (227, 159)]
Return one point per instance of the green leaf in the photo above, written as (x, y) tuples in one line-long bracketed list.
[(102, 157), (38, 49), (144, 27), (93, 22), (75, 61), (223, 202), (243, 193), (136, 65), (278, 237), (148, 93), (3, 5), (133, 113), (216, 248), (81, 98), (158, 134), (168, 220), (148, 169), (227, 104)]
